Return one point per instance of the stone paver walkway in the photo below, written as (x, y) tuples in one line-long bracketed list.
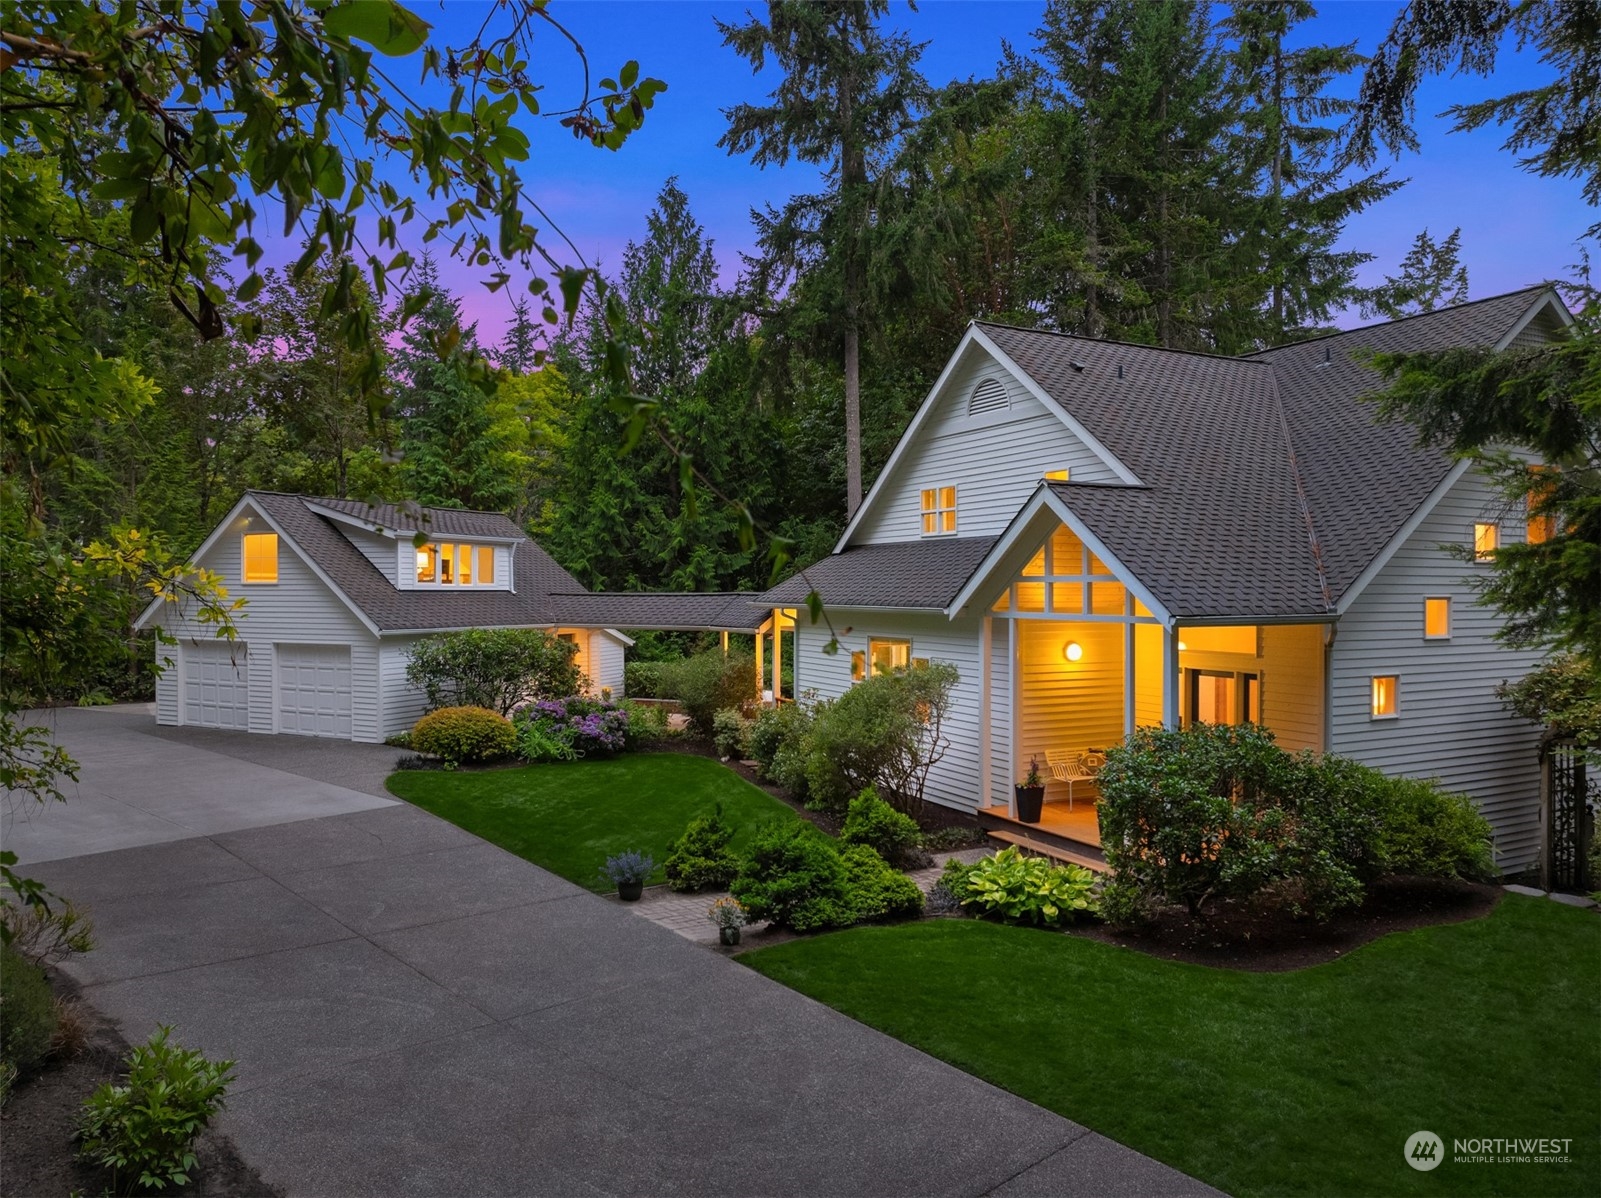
[(686, 914)]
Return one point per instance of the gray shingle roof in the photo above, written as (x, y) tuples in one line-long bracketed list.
[(435, 521), (1218, 528), (902, 574), (535, 573), (716, 611), (1268, 485), (1364, 479)]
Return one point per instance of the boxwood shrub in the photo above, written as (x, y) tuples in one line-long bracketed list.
[(465, 735), (892, 834), (701, 858)]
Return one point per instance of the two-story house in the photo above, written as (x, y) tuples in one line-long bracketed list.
[(1102, 536)]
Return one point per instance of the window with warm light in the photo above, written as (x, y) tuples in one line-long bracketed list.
[(885, 657), (427, 564), (939, 511), (1386, 697), (1486, 540), (1058, 476), (858, 666), (454, 564), (1542, 525), (261, 557), (486, 564), (1437, 619)]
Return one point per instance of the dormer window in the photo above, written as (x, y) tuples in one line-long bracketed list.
[(450, 563), (939, 511)]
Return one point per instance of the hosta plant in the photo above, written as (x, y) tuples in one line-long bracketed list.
[(1030, 890)]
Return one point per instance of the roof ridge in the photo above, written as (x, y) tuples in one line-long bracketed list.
[(1245, 359), (1549, 285), (395, 503)]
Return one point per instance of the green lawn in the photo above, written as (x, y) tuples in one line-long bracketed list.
[(1291, 1083), (570, 817)]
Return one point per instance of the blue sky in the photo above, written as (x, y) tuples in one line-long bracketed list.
[(1517, 228)]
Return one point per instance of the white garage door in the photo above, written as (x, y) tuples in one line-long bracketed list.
[(215, 691), (314, 690)]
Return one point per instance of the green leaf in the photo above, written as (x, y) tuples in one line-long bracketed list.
[(384, 25), (250, 288)]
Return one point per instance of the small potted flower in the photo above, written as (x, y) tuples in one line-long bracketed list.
[(628, 871), (729, 917), (1030, 794)]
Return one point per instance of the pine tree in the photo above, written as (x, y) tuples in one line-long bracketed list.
[(1432, 276)]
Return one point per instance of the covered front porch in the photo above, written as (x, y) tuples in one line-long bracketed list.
[(1078, 655)]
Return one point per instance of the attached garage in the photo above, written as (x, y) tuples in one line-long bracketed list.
[(314, 690), (216, 691)]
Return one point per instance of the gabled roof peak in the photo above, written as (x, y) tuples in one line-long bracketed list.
[(1333, 334)]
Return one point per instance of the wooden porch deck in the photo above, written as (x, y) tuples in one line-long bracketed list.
[(1062, 834)]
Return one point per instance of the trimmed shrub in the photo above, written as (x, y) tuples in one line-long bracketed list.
[(1433, 832), (497, 668), (781, 743), (793, 877), (875, 889), (27, 1013), (730, 731), (145, 1131), (643, 679), (563, 729), (886, 732), (465, 734), (1031, 890), (701, 858), (874, 823), (708, 683)]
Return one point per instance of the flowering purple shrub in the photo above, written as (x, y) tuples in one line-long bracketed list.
[(561, 729)]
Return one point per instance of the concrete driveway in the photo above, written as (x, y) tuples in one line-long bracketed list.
[(414, 1011)]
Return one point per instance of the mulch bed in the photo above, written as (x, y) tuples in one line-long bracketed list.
[(1259, 938), (37, 1153)]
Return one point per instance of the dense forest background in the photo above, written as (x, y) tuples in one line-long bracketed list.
[(1163, 173)]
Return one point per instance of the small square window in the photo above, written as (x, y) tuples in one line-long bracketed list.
[(261, 557), (1486, 540), (1437, 619), (1386, 696), (939, 511), (885, 657)]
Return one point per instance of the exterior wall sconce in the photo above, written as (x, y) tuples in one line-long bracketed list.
[(1073, 651)]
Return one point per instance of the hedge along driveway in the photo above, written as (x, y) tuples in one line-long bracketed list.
[(1306, 1082), (569, 817)]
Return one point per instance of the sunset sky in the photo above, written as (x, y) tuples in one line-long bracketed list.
[(1517, 228)]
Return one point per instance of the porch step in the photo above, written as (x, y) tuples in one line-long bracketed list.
[(1057, 852)]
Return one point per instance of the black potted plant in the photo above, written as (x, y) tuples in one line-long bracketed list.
[(628, 871), (1030, 794), (729, 916)]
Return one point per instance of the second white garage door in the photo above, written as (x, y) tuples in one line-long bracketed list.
[(314, 690)]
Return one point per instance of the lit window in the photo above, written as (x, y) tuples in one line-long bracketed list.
[(261, 557), (486, 563), (464, 559), (1386, 696), (1437, 619), (885, 657), (1542, 526), (1058, 476), (858, 666), (427, 564), (447, 563), (1486, 539), (939, 511)]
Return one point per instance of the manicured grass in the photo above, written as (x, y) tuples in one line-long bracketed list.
[(570, 817), (1291, 1083)]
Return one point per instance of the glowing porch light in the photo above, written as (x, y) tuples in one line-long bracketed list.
[(1073, 651)]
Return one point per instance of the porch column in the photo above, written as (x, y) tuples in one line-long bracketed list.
[(760, 634), (1129, 672), (986, 641), (778, 655), (1014, 648), (1170, 676), (725, 642)]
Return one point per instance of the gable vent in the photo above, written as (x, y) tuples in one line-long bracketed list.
[(989, 395)]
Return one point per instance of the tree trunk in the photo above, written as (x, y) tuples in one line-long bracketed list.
[(853, 419)]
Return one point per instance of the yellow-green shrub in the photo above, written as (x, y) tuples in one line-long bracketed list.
[(465, 734)]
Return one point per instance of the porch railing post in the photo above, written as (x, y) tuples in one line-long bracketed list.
[(1170, 676)]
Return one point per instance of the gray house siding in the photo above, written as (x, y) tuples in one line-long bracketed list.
[(994, 459), (954, 781), (1449, 724)]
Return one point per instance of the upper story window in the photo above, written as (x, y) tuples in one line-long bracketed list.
[(449, 563), (1486, 540), (1058, 476), (261, 557), (939, 511), (1437, 619), (988, 395)]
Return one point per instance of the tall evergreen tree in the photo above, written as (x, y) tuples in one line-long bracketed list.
[(847, 94), (1432, 276)]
